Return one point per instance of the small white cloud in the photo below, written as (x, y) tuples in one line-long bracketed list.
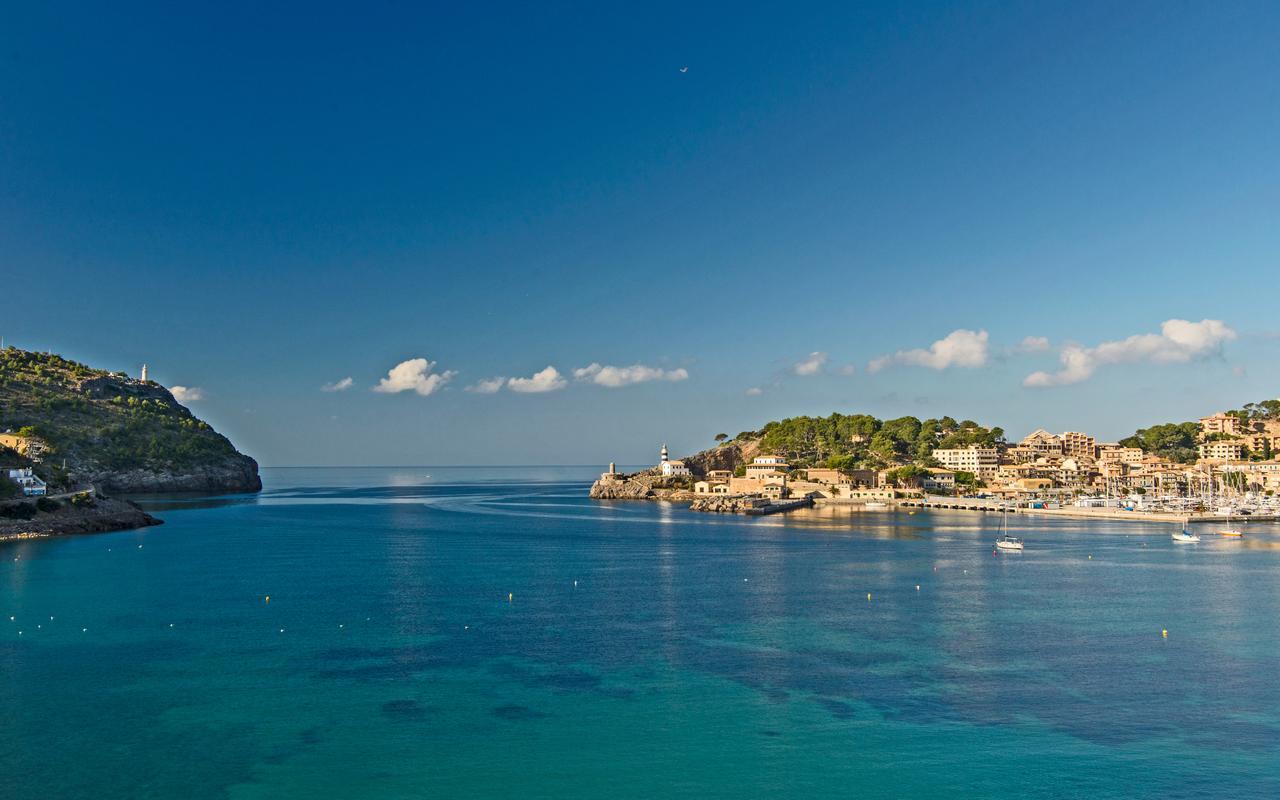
[(487, 386), (614, 377), (414, 375), (187, 394), (754, 391), (1179, 341), (338, 386), (960, 348), (545, 380), (1033, 344), (810, 364)]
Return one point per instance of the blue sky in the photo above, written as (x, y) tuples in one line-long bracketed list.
[(259, 202)]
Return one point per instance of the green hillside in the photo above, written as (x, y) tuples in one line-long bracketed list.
[(114, 431)]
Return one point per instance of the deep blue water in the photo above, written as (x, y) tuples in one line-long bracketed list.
[(493, 633)]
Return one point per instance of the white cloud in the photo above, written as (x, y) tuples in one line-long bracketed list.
[(487, 386), (960, 348), (187, 394), (1033, 344), (613, 377), (1179, 341), (338, 386), (545, 380), (755, 391), (414, 375), (811, 364)]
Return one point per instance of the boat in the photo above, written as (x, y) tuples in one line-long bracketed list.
[(1230, 530), (875, 504), (1185, 536), (1007, 542)]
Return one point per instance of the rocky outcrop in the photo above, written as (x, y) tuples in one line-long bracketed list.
[(727, 504), (96, 516), (640, 486), (624, 489)]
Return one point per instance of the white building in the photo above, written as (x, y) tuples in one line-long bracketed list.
[(31, 485), (983, 462), (669, 468)]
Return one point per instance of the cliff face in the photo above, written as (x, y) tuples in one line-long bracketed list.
[(117, 433)]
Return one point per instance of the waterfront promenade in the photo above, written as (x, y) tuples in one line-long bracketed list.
[(995, 506)]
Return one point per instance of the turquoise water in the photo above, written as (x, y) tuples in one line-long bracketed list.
[(696, 655)]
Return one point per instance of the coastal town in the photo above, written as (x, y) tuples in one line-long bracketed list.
[(1224, 464)]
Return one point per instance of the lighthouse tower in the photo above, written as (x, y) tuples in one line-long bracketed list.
[(144, 373), (663, 452)]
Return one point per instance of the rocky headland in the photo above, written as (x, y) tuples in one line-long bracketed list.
[(81, 429), (24, 520)]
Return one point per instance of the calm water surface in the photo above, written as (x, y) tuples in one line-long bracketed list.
[(492, 633)]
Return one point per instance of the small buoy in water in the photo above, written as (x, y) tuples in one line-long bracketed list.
[(340, 625), (139, 547), (282, 630), (868, 597), (466, 627), (1091, 556), (917, 587), (1164, 632), (744, 580), (510, 596), (267, 599), (84, 630), (575, 584), (170, 624)]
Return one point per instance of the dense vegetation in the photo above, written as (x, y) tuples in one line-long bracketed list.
[(100, 421), (853, 441), (1175, 441)]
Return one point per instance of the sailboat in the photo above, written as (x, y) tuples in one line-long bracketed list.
[(1230, 530), (1007, 542), (1185, 536)]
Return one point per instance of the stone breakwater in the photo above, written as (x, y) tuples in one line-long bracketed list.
[(641, 486), (100, 516), (725, 504)]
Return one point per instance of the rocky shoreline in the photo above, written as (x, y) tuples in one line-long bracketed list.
[(97, 515)]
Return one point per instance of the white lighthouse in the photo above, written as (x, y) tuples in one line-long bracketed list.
[(144, 373), (669, 468)]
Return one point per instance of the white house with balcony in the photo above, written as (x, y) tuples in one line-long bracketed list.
[(31, 485)]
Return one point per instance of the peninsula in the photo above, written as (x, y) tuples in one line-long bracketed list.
[(72, 436), (1220, 465)]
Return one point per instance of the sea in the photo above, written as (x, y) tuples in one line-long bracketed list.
[(439, 632)]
